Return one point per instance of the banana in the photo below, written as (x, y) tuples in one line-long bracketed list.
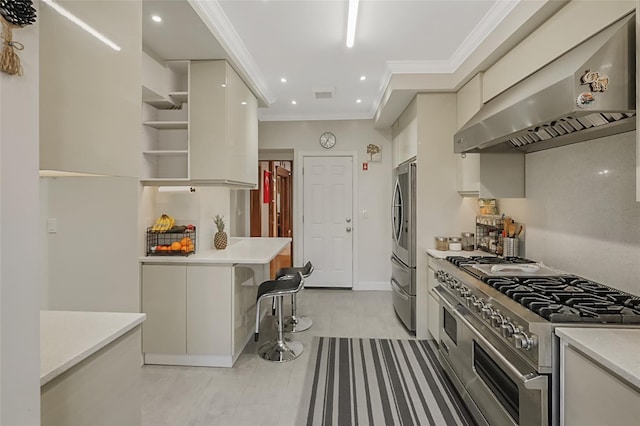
[(163, 223)]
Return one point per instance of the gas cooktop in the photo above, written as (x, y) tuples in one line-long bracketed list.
[(570, 299), (491, 260), (558, 298)]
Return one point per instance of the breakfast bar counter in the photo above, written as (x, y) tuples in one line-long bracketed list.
[(201, 308)]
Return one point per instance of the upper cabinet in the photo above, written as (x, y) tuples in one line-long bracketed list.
[(90, 91), (405, 134), (223, 126), (200, 125), (485, 175)]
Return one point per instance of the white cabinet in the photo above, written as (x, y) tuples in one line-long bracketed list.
[(89, 93), (223, 126), (433, 305), (468, 175), (592, 395), (405, 134), (199, 315), (200, 127), (165, 119), (164, 300)]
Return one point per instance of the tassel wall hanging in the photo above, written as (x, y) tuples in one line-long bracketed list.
[(14, 13)]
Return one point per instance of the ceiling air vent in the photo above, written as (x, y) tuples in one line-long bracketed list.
[(323, 93)]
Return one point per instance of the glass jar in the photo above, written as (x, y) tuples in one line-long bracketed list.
[(455, 243), (468, 241), (442, 243)]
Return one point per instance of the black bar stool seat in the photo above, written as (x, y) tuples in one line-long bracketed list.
[(278, 350), (295, 323)]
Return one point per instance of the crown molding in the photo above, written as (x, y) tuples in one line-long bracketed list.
[(216, 20), (498, 12)]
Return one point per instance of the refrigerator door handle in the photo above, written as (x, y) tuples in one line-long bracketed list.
[(397, 202), (396, 288)]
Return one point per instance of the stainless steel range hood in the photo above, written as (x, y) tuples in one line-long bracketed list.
[(564, 102)]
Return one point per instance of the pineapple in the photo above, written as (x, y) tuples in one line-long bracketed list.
[(220, 238)]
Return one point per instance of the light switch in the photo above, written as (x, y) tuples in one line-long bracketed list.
[(52, 225)]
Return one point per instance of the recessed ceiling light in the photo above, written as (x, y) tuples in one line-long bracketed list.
[(363, 77), (243, 102), (223, 85), (156, 18), (359, 101), (293, 102), (283, 80)]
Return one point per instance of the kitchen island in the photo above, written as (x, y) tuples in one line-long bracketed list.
[(201, 308), (599, 376), (90, 368)]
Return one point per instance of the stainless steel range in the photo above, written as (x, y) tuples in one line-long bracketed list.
[(497, 318)]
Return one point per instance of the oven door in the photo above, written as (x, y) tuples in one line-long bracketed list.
[(453, 349), (505, 389)]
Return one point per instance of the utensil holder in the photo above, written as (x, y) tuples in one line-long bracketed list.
[(511, 247)]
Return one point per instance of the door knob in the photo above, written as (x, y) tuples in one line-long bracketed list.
[(348, 220), (348, 229)]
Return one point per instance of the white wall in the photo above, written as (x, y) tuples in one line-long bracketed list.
[(93, 256), (373, 193), (441, 210), (197, 208), (19, 245), (580, 220)]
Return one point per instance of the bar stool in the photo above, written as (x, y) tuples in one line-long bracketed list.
[(278, 350), (294, 323)]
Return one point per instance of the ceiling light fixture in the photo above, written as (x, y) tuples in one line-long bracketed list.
[(294, 103), (358, 101), (363, 78), (79, 22), (156, 18), (283, 80), (351, 22), (243, 102)]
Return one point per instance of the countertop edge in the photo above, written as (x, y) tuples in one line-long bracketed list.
[(582, 344), (199, 259), (57, 371)]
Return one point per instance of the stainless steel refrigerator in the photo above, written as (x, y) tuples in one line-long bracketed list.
[(403, 259)]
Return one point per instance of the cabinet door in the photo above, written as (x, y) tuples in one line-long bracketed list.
[(432, 305), (209, 305), (468, 175), (164, 302), (592, 395)]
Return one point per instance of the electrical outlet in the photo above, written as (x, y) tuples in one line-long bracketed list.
[(52, 225)]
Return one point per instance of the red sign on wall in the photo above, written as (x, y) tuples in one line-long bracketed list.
[(266, 187)]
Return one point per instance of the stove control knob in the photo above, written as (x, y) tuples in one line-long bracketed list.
[(507, 328), (522, 341), (487, 311), (478, 304), (497, 319), (462, 291), (470, 300)]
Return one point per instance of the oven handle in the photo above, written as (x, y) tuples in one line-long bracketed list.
[(530, 381)]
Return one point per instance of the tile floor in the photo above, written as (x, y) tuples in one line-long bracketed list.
[(257, 392)]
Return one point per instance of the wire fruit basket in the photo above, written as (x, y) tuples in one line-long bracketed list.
[(178, 241)]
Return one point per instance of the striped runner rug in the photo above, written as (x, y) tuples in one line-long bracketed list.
[(377, 382)]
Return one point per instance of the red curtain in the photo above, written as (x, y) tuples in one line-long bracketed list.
[(266, 187)]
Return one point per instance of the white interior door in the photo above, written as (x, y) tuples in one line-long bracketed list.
[(328, 220)]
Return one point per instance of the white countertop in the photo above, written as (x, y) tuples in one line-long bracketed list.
[(249, 251), (441, 254), (615, 348), (68, 337)]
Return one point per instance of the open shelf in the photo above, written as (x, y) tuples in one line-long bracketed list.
[(162, 125), (179, 97), (166, 152)]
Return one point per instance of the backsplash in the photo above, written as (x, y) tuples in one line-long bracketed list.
[(580, 210)]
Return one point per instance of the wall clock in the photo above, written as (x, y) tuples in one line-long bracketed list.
[(327, 140)]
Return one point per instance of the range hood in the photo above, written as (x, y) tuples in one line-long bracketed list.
[(588, 93)]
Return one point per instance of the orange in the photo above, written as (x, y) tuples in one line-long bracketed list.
[(176, 246), (185, 241)]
